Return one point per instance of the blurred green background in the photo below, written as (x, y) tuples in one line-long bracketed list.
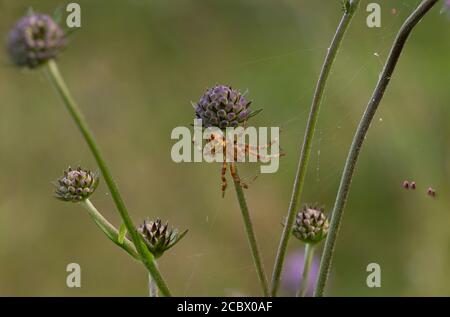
[(134, 68)]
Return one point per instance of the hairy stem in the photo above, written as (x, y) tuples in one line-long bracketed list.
[(147, 258), (250, 234), (359, 137), (308, 259), (307, 141)]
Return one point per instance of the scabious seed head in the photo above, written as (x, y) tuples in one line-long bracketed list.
[(76, 185), (222, 107), (35, 39), (158, 237), (311, 225)]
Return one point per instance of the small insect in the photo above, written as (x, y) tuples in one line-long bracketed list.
[(431, 192), (409, 185), (405, 185)]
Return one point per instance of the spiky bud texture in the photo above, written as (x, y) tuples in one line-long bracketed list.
[(222, 107), (76, 185), (35, 39), (311, 225), (158, 237)]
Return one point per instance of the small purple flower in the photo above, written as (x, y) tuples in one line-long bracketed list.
[(35, 39), (446, 7), (222, 106), (292, 275)]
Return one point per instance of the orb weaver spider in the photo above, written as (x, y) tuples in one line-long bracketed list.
[(230, 150)]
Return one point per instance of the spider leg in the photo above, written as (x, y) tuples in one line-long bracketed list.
[(261, 147), (223, 178), (235, 176)]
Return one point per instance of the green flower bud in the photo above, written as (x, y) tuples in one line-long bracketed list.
[(311, 225)]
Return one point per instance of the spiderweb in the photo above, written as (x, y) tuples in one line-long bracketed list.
[(292, 126)]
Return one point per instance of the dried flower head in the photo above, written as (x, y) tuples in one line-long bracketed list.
[(158, 237), (35, 39), (76, 185), (222, 107), (311, 225)]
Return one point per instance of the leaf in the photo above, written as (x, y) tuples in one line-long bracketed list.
[(30, 11), (254, 113), (181, 236), (122, 233), (58, 14)]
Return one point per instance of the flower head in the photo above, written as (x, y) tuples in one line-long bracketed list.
[(76, 185), (35, 39), (222, 107), (311, 225), (158, 237)]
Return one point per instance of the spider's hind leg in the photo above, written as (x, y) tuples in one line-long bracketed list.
[(236, 178), (223, 178)]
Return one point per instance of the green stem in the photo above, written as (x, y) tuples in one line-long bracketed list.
[(250, 233), (110, 231), (308, 259), (359, 137), (307, 142), (152, 287), (147, 258)]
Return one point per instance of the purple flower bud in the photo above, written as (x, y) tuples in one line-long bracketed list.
[(227, 104), (311, 225), (76, 185), (35, 39)]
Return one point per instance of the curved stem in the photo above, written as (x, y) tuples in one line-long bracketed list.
[(110, 231), (250, 233), (307, 141), (359, 137), (308, 258), (147, 258)]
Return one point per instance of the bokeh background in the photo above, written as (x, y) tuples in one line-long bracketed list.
[(135, 66)]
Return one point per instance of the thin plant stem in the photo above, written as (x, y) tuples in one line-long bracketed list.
[(307, 141), (147, 258), (109, 229), (250, 234), (152, 287), (359, 137), (308, 259)]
